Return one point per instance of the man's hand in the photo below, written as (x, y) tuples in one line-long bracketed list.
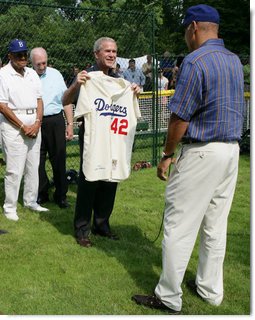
[(69, 132), (31, 131), (162, 168), (136, 88), (82, 77)]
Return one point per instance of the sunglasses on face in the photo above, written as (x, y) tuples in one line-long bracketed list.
[(20, 55)]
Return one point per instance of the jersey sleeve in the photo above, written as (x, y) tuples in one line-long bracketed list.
[(136, 107), (83, 105)]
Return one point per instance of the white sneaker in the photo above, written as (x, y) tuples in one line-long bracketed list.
[(37, 207), (11, 216)]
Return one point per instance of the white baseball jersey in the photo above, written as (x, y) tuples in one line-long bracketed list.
[(110, 109)]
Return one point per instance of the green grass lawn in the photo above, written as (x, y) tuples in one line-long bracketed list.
[(44, 271)]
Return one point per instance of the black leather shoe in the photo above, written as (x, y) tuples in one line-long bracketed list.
[(42, 199), (152, 302), (84, 242), (63, 204), (3, 232), (107, 234)]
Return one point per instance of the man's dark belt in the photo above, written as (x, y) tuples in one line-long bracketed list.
[(53, 115), (190, 141)]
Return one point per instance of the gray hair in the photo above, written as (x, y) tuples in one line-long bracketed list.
[(38, 50), (98, 43)]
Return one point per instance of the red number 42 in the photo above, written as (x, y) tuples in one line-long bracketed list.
[(119, 126)]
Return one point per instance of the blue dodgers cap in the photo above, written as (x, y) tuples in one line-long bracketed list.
[(17, 45), (201, 12)]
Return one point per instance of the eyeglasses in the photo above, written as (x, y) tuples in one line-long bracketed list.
[(20, 55)]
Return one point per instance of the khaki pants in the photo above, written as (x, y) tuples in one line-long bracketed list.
[(199, 195)]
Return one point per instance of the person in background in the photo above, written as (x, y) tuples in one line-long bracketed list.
[(147, 71), (207, 114), (54, 130), (118, 71), (21, 107), (94, 196), (75, 71), (166, 64), (177, 64), (134, 75), (162, 81)]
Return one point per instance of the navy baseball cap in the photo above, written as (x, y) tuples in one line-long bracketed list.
[(17, 45), (201, 12)]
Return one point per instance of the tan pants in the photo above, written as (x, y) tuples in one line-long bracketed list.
[(199, 195)]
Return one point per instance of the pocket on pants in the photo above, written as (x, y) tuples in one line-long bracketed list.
[(188, 158)]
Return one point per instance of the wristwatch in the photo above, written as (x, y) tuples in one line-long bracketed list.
[(167, 156)]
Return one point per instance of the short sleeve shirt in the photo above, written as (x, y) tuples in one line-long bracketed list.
[(53, 86), (19, 92), (209, 93)]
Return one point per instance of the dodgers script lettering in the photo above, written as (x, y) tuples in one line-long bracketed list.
[(110, 109)]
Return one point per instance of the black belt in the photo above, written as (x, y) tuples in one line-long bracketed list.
[(53, 115), (190, 141)]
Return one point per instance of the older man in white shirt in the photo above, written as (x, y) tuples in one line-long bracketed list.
[(22, 108)]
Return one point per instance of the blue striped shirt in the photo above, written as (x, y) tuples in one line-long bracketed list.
[(210, 93)]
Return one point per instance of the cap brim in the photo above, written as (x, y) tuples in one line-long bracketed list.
[(14, 51)]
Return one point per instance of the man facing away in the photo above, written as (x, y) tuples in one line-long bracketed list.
[(22, 108), (97, 196), (54, 130), (207, 109)]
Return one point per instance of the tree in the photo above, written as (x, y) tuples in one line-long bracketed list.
[(68, 28)]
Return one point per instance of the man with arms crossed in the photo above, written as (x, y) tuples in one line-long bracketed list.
[(54, 130), (207, 108)]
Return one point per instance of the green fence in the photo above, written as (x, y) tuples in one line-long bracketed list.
[(68, 35)]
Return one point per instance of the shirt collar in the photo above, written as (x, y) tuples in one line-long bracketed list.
[(218, 42), (44, 74), (14, 72)]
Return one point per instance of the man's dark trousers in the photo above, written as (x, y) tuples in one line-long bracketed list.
[(97, 196), (53, 143)]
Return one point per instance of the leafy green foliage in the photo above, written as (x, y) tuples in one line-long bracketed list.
[(70, 27)]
